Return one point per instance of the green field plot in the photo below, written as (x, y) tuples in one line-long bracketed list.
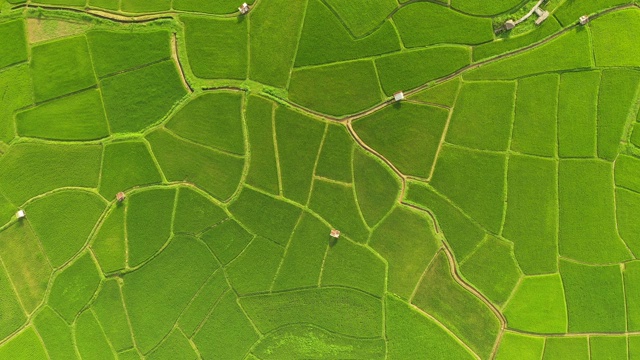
[(439, 295), (24, 346), (114, 52), (23, 258), (462, 234), (627, 203), (276, 219), (274, 40), (324, 39), (567, 52), (339, 310), (531, 220), (77, 117), (108, 309), (613, 39), (481, 7), (61, 67), (195, 213), (218, 340), (175, 346), (362, 16), (125, 165), (535, 123), (631, 272), (615, 106), (408, 70), (538, 305), (406, 240), (131, 354), (456, 177), (577, 118), (354, 266), (133, 6), (14, 315), (263, 168), (15, 83), (15, 47), (335, 159), (149, 216), (570, 11), (302, 262), (217, 48), (595, 297), (227, 240), (202, 303), (627, 172), (138, 98), (63, 222), (255, 268), (483, 116), (408, 136), (212, 119), (298, 139), (444, 94), (426, 23), (516, 346), (587, 224), (90, 339), (74, 287), (210, 7), (377, 188), (412, 335), (55, 334), (492, 269), (608, 347), (105, 4), (309, 342), (65, 2), (215, 172), (157, 293), (338, 89), (558, 348), (337, 204), (109, 245)]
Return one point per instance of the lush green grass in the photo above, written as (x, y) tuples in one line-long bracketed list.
[(55, 334), (535, 124), (26, 264), (204, 301), (408, 70), (227, 240), (335, 159), (215, 172), (175, 346), (377, 189), (324, 39), (567, 52), (105, 4), (298, 139), (559, 348), (426, 23), (595, 297), (217, 48), (77, 117), (362, 16), (442, 94), (109, 311), (336, 203), (439, 295), (616, 100), (613, 39), (538, 305), (213, 119), (149, 216), (456, 177), (18, 93), (483, 115), (210, 7), (157, 293), (407, 135), (24, 346), (412, 335), (577, 115), (309, 342), (90, 339), (125, 165), (627, 172), (531, 220), (338, 89), (570, 11), (109, 245), (339, 310), (484, 7), (492, 269), (61, 67), (516, 346), (631, 272), (608, 347), (14, 44), (136, 99), (195, 213), (13, 314), (305, 254), (63, 221), (263, 170), (587, 224), (133, 6), (74, 287), (406, 240), (276, 219), (355, 266), (627, 203), (255, 268), (114, 52)]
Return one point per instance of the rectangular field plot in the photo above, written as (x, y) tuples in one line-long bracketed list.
[(560, 348), (595, 297), (516, 346), (613, 37), (577, 102), (109, 244), (208, 7), (627, 205), (608, 347), (14, 47), (18, 93), (134, 6), (263, 170), (631, 272)]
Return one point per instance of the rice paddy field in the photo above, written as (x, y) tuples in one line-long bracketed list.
[(319, 179)]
